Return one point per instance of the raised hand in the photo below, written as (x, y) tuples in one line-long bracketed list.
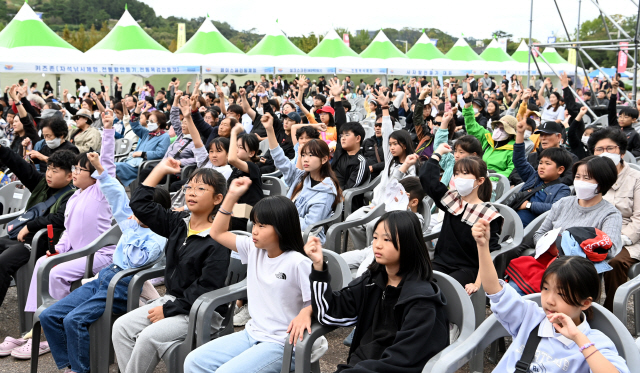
[(267, 121), (564, 325), (521, 126), (564, 80), (239, 187), (412, 159), (381, 98), (107, 119), (481, 232), (94, 158), (313, 249), (335, 89), (169, 166), (443, 149)]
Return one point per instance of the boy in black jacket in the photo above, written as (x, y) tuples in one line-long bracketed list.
[(348, 162), (628, 117), (13, 253), (196, 264)]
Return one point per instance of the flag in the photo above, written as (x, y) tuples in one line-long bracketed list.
[(622, 57), (572, 57), (182, 35)]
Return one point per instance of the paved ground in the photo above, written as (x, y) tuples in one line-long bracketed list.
[(337, 353)]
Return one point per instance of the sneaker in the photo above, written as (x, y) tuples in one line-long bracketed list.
[(242, 317), (24, 351), (10, 344), (454, 332)]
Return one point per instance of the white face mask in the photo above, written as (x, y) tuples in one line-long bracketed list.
[(527, 134), (614, 157), (585, 139), (96, 115), (152, 126), (475, 111), (585, 190), (537, 122), (52, 144), (499, 134), (464, 186)]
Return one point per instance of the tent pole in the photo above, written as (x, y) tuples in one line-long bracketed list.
[(577, 39), (58, 85), (603, 73), (530, 51), (111, 86), (635, 54), (201, 77)]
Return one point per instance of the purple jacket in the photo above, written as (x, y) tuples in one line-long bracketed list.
[(187, 156)]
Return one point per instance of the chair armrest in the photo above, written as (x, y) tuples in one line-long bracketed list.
[(487, 332), (333, 241), (621, 298), (119, 276), (335, 217), (431, 236), (207, 305), (135, 286), (8, 217), (146, 164), (350, 193), (303, 348), (109, 237)]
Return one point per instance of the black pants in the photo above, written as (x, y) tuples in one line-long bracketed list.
[(13, 255), (462, 275)]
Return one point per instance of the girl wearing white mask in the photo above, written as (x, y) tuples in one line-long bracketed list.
[(463, 205), (578, 135), (594, 176), (612, 143), (54, 132)]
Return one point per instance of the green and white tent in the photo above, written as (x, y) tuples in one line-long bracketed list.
[(208, 46), (332, 46), (127, 44), (552, 56), (27, 42), (382, 48), (275, 43), (461, 51), (522, 53), (494, 53), (424, 49)]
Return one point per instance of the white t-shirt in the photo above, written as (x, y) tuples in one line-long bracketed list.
[(277, 289), (548, 115), (247, 123)]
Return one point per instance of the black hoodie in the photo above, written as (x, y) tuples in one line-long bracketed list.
[(421, 328), (196, 264)]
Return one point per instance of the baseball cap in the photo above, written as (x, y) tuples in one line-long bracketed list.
[(326, 109), (294, 117), (550, 128)]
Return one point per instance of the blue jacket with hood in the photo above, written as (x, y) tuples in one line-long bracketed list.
[(313, 203)]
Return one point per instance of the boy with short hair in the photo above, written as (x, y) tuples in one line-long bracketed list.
[(542, 187), (58, 177), (627, 120)]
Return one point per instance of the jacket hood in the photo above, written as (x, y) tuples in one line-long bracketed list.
[(187, 219), (326, 186)]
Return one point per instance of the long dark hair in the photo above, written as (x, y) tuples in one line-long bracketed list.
[(576, 279), (320, 149), (282, 215), (403, 138), (475, 166), (250, 143), (30, 131), (212, 178), (557, 105), (405, 231), (496, 115)]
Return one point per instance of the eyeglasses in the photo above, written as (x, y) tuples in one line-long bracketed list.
[(199, 191), (609, 149), (76, 170)]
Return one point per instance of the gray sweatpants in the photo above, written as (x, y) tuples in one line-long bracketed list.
[(361, 235), (140, 344)]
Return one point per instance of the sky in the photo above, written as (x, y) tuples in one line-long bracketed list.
[(473, 18)]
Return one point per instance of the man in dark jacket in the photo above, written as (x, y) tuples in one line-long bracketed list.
[(13, 252), (373, 151), (550, 137)]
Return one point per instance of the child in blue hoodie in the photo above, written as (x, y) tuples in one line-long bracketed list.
[(66, 323), (568, 288), (316, 190)]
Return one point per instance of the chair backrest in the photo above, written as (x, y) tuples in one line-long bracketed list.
[(334, 240), (5, 142), (602, 121), (531, 229), (425, 210), (501, 186), (587, 120), (123, 147), (264, 147), (459, 309), (368, 131), (186, 172), (512, 226), (508, 193), (338, 269), (272, 186), (632, 165), (13, 197), (629, 158)]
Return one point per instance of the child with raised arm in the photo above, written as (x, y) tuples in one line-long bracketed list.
[(568, 288), (316, 190), (277, 285), (396, 305), (196, 264)]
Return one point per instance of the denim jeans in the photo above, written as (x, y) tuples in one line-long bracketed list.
[(234, 353), (516, 287), (66, 323)]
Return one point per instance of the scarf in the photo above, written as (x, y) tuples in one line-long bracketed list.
[(473, 212)]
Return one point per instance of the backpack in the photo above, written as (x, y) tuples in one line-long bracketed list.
[(15, 226)]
